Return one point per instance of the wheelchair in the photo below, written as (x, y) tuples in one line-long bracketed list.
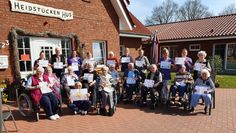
[(25, 103), (99, 100), (155, 96), (186, 99)]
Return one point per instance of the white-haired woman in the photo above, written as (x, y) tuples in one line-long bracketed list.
[(112, 60), (105, 81), (42, 93), (200, 64), (203, 86)]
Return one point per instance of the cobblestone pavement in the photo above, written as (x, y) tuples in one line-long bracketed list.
[(133, 119)]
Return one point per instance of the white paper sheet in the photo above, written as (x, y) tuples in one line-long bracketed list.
[(139, 63), (148, 83), (70, 81), (108, 89), (179, 60), (125, 60), (43, 63), (75, 66), (201, 89), (58, 65), (111, 62), (198, 66), (88, 77), (79, 94), (44, 87), (130, 81), (182, 83), (165, 65)]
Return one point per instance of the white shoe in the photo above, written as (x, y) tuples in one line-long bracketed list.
[(52, 117), (85, 112), (57, 116), (75, 112)]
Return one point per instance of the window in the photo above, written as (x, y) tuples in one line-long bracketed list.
[(194, 47), (66, 47), (172, 51), (99, 51), (122, 50), (231, 57), (24, 54)]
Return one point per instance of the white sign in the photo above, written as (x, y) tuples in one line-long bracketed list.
[(108, 89), (30, 8), (125, 60), (58, 65), (43, 63), (75, 66), (44, 87), (198, 66), (201, 89), (130, 81), (182, 83), (165, 65), (179, 60), (70, 80), (148, 83), (111, 62), (88, 77), (79, 94), (3, 61), (139, 63)]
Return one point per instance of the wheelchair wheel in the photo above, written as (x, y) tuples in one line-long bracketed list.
[(25, 105)]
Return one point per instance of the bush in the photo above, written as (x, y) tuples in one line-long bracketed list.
[(216, 66)]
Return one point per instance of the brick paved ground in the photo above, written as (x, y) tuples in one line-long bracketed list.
[(130, 118)]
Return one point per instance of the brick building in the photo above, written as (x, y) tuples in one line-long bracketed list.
[(31, 26), (215, 35)]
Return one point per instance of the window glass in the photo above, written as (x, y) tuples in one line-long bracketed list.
[(99, 52), (231, 57)]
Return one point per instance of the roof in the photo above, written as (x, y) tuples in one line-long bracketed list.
[(217, 26), (138, 29), (122, 12)]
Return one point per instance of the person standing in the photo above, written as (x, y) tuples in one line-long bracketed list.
[(75, 62), (141, 63), (58, 62), (165, 68)]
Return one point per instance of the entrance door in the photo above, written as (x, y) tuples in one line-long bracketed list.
[(37, 45)]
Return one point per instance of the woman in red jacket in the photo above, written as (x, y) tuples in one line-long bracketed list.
[(42, 93)]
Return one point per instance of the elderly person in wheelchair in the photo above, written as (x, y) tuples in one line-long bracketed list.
[(43, 94), (183, 81), (132, 78), (68, 81), (105, 86), (88, 79), (203, 87), (152, 84)]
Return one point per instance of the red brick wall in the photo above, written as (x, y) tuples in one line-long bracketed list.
[(92, 21)]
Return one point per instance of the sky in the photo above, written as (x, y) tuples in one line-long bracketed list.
[(143, 8)]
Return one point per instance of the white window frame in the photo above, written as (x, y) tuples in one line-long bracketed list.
[(191, 45)]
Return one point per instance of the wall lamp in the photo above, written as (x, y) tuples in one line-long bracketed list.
[(4, 44)]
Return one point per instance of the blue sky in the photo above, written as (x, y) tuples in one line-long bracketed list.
[(143, 8)]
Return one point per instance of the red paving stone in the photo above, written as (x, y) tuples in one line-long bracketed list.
[(130, 118)]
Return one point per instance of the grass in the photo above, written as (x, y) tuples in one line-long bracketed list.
[(225, 81)]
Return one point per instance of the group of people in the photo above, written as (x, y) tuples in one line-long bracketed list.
[(83, 85), (154, 78)]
